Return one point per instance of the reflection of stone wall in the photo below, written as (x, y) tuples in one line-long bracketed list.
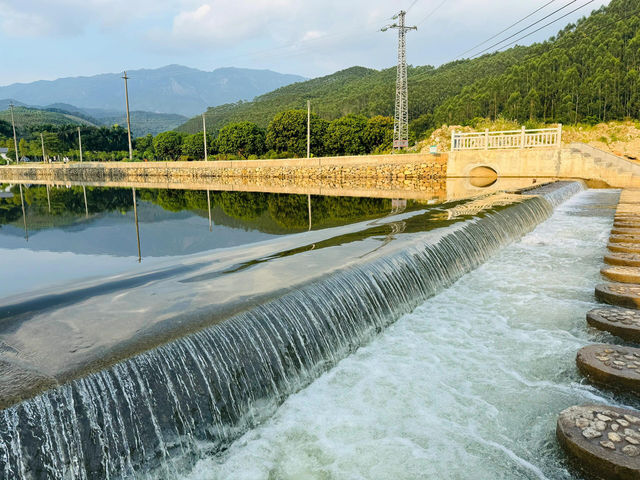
[(411, 176)]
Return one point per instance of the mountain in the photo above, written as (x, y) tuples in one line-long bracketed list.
[(588, 72), (142, 123), (29, 117), (172, 89)]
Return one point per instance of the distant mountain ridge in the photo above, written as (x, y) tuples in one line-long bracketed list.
[(173, 89), (59, 114)]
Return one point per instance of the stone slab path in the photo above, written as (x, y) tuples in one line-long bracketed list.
[(619, 294), (623, 322), (624, 238), (603, 441), (621, 274), (624, 247), (617, 230), (623, 259), (610, 365)]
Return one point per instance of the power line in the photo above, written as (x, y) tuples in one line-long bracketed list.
[(525, 29), (545, 26), (432, 12), (506, 29), (412, 5)]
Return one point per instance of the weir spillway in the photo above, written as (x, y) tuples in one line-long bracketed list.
[(224, 366)]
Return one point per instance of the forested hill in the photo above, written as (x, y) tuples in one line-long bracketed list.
[(587, 72)]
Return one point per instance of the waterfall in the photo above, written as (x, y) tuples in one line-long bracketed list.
[(197, 394)]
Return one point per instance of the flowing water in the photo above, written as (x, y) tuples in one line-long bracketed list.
[(189, 399), (466, 386)]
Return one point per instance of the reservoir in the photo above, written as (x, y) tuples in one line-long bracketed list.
[(294, 336)]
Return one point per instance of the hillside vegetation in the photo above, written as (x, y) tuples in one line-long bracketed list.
[(29, 117), (142, 123), (587, 73)]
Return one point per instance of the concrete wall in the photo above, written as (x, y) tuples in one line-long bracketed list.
[(574, 161), (384, 167)]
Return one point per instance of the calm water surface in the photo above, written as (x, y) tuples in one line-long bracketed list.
[(63, 238)]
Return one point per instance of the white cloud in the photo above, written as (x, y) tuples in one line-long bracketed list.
[(309, 37), (52, 18)]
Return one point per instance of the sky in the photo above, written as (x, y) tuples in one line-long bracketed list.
[(49, 39)]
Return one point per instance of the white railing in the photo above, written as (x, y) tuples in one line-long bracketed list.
[(508, 139)]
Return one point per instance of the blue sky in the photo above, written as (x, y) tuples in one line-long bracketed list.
[(48, 39)]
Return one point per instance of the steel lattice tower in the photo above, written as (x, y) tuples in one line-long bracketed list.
[(401, 121)]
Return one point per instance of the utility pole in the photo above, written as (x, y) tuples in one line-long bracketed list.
[(44, 155), (15, 139), (126, 97), (80, 143), (308, 128), (204, 136), (401, 121)]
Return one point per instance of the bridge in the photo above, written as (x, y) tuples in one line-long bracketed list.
[(537, 153)]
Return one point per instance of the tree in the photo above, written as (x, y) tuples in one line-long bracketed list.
[(379, 133), (346, 136), (193, 146), (287, 132), (143, 144), (244, 139), (168, 145)]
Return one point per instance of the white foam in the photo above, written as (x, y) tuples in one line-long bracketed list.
[(466, 386)]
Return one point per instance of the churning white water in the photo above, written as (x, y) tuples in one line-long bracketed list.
[(467, 386)]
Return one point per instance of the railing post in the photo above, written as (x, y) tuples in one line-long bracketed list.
[(453, 138), (523, 137), (559, 139), (486, 139)]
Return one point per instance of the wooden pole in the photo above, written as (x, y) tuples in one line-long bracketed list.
[(209, 205), (308, 128), (15, 138), (204, 136), (80, 143), (24, 215), (44, 155), (135, 214), (126, 97), (309, 205), (86, 205)]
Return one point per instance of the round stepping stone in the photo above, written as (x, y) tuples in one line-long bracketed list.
[(623, 322), (619, 294), (601, 440), (624, 247), (611, 365), (627, 223), (624, 238), (623, 259), (622, 274), (629, 208), (625, 231)]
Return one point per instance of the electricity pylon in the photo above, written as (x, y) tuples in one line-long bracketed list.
[(401, 121)]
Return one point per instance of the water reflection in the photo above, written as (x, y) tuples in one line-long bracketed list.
[(167, 218)]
